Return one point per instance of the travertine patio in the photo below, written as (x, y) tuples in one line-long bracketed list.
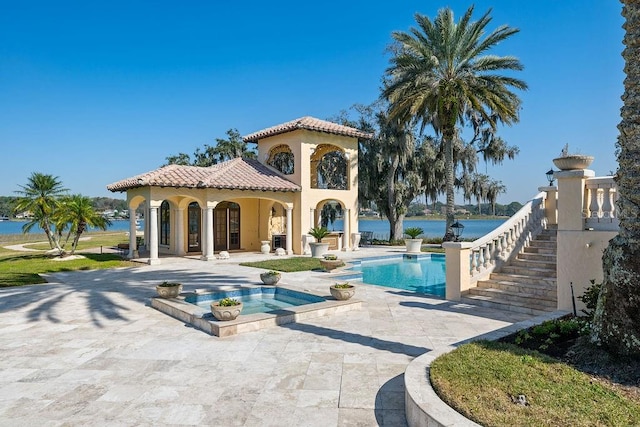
[(88, 349)]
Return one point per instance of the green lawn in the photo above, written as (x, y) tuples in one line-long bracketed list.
[(287, 264), (481, 381), (24, 268), (95, 240)]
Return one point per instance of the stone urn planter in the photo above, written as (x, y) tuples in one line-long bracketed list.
[(318, 249), (169, 289), (226, 309), (331, 262), (265, 246), (342, 291), (270, 277), (573, 162), (413, 244)]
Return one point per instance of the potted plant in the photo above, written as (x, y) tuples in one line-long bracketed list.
[(169, 289), (331, 262), (413, 244), (342, 291), (318, 248), (270, 277), (568, 161), (226, 309)]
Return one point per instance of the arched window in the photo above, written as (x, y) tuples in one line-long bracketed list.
[(281, 158), (329, 168), (165, 223)]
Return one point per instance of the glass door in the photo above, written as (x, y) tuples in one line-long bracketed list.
[(194, 227)]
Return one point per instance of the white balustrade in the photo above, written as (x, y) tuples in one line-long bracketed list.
[(599, 210), (506, 241)]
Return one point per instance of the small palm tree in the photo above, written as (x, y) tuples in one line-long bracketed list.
[(440, 75), (80, 214), (41, 197)]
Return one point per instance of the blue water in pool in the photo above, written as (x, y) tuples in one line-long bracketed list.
[(257, 300), (425, 274)]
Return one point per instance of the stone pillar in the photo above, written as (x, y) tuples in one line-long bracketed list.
[(312, 218), (207, 253), (179, 233), (133, 243), (550, 204), (289, 231), (346, 222), (458, 269), (153, 236)]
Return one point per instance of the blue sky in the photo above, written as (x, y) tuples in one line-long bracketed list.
[(94, 92)]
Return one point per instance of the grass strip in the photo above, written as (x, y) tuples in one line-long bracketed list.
[(483, 380), (287, 265)]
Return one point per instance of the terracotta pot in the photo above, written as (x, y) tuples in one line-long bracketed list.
[(342, 293), (225, 313)]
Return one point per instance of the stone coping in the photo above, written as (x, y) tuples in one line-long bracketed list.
[(198, 317), (423, 407)]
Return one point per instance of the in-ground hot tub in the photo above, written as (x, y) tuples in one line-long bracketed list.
[(263, 307)]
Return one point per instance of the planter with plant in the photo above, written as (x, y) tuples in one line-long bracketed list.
[(331, 262), (318, 248), (270, 277), (568, 161), (342, 291), (169, 289), (226, 309), (413, 244)]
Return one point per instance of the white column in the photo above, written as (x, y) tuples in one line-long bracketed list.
[(133, 248), (153, 236), (179, 231), (289, 232), (207, 253), (346, 237), (312, 218)]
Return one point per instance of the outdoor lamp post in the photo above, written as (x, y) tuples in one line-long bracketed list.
[(457, 230), (550, 177)]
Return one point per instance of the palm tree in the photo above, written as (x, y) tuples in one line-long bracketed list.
[(495, 188), (440, 74), (40, 197), (616, 323), (80, 214)]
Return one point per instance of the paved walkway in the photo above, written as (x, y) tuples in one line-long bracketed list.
[(87, 349)]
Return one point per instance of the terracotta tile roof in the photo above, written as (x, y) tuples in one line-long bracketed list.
[(236, 174), (309, 123)]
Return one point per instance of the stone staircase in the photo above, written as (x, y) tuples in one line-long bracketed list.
[(527, 284)]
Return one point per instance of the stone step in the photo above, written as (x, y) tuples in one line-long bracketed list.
[(543, 244), (537, 256), (551, 265), (524, 279), (484, 301), (541, 290), (546, 238), (539, 250), (529, 271), (523, 299)]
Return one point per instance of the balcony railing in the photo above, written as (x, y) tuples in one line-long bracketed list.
[(599, 207)]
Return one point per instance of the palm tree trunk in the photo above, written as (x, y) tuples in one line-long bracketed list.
[(447, 137), (395, 220), (616, 324)]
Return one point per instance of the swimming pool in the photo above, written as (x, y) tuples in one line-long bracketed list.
[(422, 273), (256, 300)]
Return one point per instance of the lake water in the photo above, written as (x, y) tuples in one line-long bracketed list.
[(473, 228)]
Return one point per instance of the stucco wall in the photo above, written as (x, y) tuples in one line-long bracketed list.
[(579, 261)]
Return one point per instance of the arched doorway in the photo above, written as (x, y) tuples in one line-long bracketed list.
[(194, 227), (226, 226)]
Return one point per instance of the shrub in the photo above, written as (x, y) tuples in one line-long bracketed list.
[(590, 298), (413, 232), (228, 302)]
